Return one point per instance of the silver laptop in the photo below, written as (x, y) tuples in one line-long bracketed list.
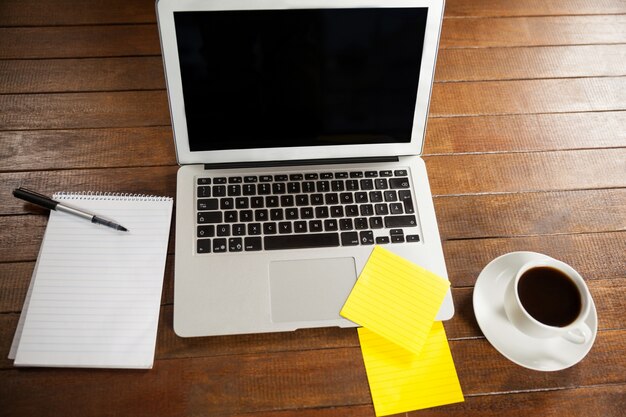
[(298, 126)]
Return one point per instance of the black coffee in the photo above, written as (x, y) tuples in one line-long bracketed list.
[(549, 296)]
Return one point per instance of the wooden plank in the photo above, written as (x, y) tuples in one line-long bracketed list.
[(448, 174), (86, 148), (562, 170), (79, 41), (472, 8), (519, 133), (284, 380), (528, 96), (475, 64), (72, 12), (150, 108), (594, 255), (99, 148), (606, 401), (480, 64), (76, 75), (84, 110), (528, 214), (142, 40), (533, 31)]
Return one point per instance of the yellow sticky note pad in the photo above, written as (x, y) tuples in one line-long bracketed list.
[(402, 381), (396, 299)]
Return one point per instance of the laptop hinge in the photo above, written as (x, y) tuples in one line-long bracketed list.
[(300, 162)]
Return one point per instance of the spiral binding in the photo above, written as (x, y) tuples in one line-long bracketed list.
[(99, 195)]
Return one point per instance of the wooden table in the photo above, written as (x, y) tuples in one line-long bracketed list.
[(526, 150)]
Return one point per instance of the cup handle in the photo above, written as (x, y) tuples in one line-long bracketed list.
[(578, 335)]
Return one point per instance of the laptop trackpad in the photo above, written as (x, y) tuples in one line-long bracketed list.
[(310, 289)]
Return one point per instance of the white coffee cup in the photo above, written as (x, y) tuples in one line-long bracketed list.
[(577, 331)]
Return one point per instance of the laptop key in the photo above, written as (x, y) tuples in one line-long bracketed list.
[(412, 238), (400, 221), (206, 231), (284, 227), (349, 239), (405, 197), (314, 240), (204, 191), (252, 244), (381, 240), (399, 183), (203, 246), (254, 228), (300, 226), (234, 190), (207, 204), (223, 230), (269, 228), (239, 229), (219, 245), (235, 244), (210, 217), (367, 237)]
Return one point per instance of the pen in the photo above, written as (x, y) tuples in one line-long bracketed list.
[(47, 202)]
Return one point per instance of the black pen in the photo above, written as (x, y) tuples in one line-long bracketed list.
[(47, 202)]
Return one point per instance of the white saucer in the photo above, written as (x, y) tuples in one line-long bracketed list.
[(552, 354)]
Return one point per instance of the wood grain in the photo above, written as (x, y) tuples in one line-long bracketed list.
[(75, 12), (480, 64), (495, 8), (78, 75), (458, 174), (84, 110), (142, 40), (528, 214), (519, 133), (594, 255), (301, 379), (475, 64), (72, 12), (528, 96), (79, 41), (533, 31), (86, 148), (149, 108)]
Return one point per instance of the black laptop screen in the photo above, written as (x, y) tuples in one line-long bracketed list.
[(283, 78)]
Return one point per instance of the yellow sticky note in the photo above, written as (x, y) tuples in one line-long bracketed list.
[(402, 381), (396, 299)]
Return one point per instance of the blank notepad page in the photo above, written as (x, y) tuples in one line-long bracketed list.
[(96, 294)]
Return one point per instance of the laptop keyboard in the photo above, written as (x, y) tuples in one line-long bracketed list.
[(304, 210)]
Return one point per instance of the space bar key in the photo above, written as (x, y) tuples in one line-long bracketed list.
[(317, 240)]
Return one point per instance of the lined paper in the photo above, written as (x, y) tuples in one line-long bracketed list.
[(402, 381), (96, 292), (396, 299)]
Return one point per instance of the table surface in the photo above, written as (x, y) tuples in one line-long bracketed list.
[(525, 149)]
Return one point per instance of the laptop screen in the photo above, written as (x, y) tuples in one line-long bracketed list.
[(285, 78)]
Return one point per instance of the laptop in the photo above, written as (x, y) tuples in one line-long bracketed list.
[(298, 126)]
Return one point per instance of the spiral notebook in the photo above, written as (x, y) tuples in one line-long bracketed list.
[(95, 294)]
